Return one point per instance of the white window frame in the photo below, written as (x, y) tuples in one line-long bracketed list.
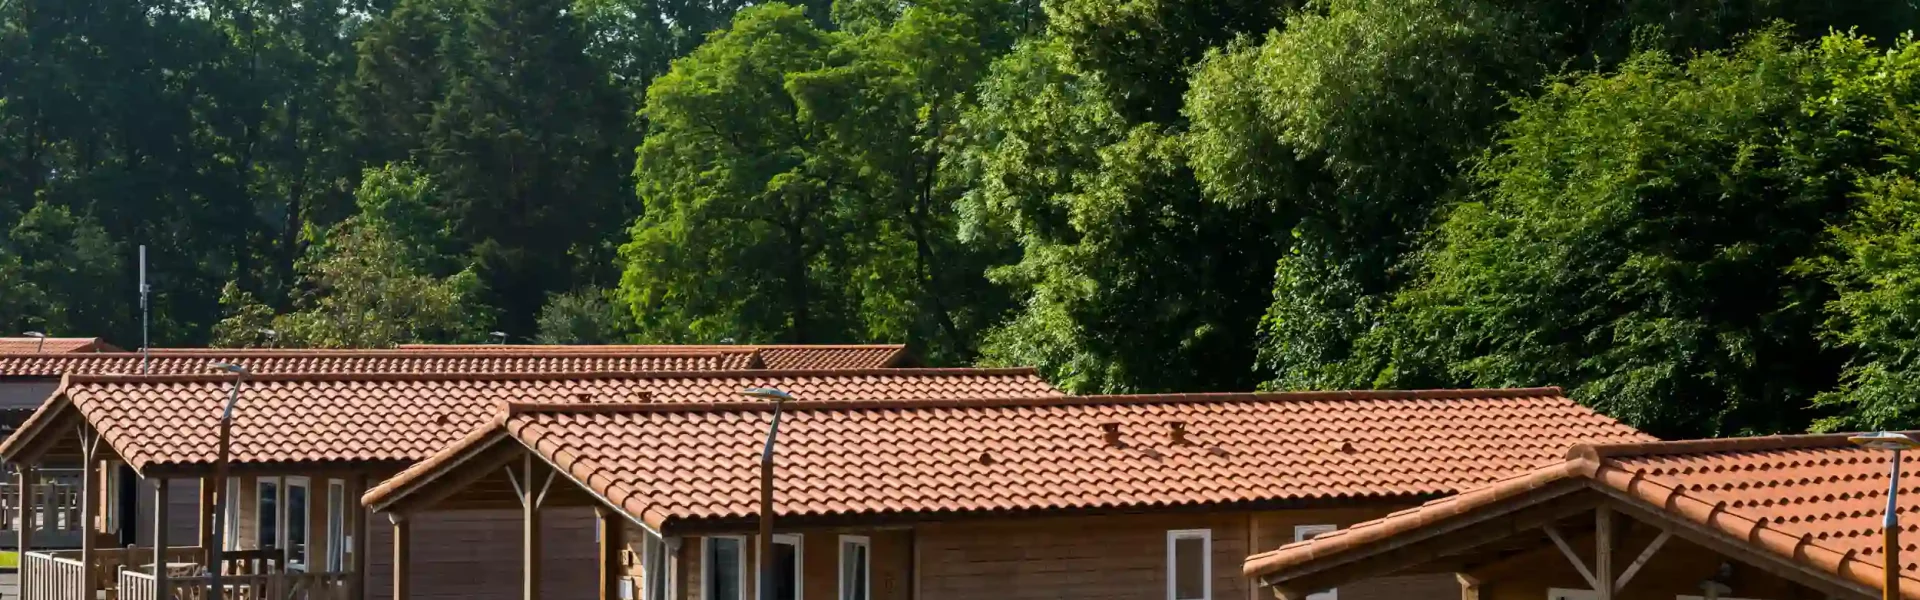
[(799, 563), (1303, 533), (285, 507), (706, 566), (1206, 561), (260, 512), (336, 533), (865, 543), (231, 520)]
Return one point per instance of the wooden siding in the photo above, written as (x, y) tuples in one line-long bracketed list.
[(474, 555), (890, 552)]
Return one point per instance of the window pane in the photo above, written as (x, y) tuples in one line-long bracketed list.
[(268, 516), (1189, 568), (853, 571), (786, 572), (297, 524), (723, 572), (336, 526), (654, 560)]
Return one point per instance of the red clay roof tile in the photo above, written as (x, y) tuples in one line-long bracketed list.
[(52, 344), (171, 420), (1811, 498), (777, 356), (698, 462), (196, 361)]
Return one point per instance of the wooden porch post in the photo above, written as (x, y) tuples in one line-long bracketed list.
[(1603, 552), (529, 527), (205, 527), (357, 542), (89, 511), (160, 537), (612, 537), (25, 474), (402, 556)]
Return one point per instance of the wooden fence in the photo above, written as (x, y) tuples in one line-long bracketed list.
[(276, 586), (56, 512)]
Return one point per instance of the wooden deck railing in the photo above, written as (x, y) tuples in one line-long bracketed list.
[(136, 584), (276, 586), (50, 577), (56, 513)]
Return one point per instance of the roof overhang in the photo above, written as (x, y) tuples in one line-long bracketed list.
[(1473, 530)]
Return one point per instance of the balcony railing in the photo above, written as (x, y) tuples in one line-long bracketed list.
[(127, 574)]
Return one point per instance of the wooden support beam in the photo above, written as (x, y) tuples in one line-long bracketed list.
[(530, 497), (1645, 555), (26, 514), (89, 511), (160, 537), (402, 558), (357, 545), (205, 522), (1603, 552), (612, 539), (1553, 533), (1469, 586)]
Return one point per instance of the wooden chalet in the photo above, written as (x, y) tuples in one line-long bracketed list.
[(1111, 497)]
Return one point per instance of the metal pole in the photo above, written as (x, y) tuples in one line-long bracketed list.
[(1892, 526), (220, 493), (144, 344), (766, 507)]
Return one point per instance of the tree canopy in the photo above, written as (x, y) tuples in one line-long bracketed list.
[(1697, 216)]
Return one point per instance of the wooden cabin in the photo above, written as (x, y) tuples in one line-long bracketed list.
[(1770, 518), (1110, 497), (304, 447)]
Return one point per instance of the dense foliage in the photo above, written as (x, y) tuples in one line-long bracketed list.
[(1701, 217)]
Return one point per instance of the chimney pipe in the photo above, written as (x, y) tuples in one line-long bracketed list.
[(1112, 433), (1177, 432)]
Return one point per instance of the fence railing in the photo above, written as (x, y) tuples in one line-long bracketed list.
[(136, 584), (55, 519), (275, 586), (48, 577)]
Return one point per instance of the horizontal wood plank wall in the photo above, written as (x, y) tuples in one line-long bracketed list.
[(890, 554), (473, 555), (183, 510), (1275, 529), (1091, 558)]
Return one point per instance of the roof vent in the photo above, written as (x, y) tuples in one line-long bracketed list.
[(1177, 432), (1112, 433), (583, 397), (1344, 448), (986, 458), (442, 419)]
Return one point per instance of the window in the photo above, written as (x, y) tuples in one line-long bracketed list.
[(1306, 532), (231, 526), (298, 522), (786, 567), (336, 525), (653, 561), (855, 555), (1190, 564), (266, 514), (722, 568)]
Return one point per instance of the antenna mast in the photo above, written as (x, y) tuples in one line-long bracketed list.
[(145, 354)]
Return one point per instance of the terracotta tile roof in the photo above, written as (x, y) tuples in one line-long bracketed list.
[(1814, 499), (195, 361), (171, 420), (777, 356), (672, 463), (27, 344)]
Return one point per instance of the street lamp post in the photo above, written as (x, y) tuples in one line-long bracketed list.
[(40, 347), (1887, 440), (220, 480), (766, 488)]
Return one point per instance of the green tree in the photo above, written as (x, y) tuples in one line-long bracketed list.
[(1637, 238), (584, 316), (369, 283), (62, 275)]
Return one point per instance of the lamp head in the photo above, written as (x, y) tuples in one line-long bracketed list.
[(34, 334), (1884, 440), (769, 394), (230, 368)]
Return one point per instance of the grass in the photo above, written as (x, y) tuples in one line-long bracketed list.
[(9, 559)]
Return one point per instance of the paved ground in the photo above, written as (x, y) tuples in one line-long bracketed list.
[(9, 585)]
